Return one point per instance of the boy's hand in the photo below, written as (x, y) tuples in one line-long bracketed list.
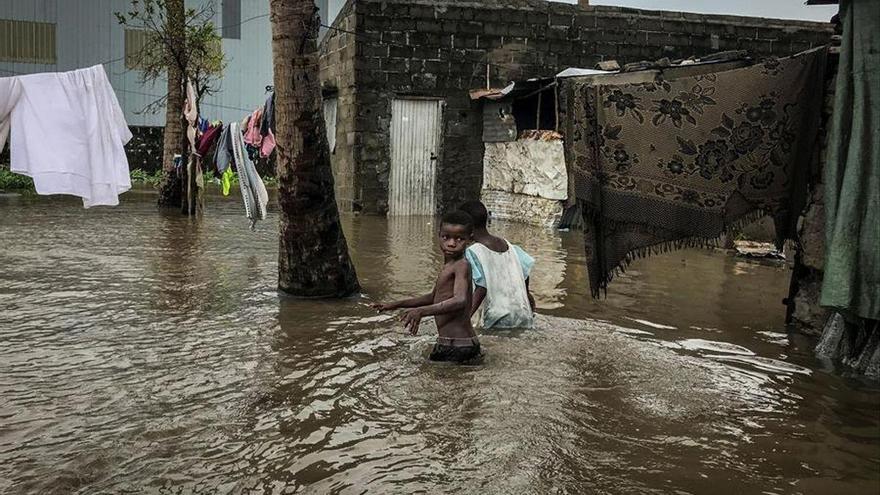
[(379, 307), (411, 320)]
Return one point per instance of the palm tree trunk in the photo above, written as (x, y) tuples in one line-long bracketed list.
[(170, 189), (313, 259)]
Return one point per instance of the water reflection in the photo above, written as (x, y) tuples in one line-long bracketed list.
[(142, 352)]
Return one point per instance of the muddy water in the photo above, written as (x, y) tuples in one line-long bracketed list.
[(142, 353)]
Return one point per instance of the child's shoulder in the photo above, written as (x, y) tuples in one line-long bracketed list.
[(461, 263)]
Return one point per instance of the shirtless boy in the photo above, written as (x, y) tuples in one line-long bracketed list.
[(450, 301)]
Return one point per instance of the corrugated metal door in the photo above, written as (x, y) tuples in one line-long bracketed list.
[(415, 137)]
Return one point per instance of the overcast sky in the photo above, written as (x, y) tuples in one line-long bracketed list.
[(780, 9)]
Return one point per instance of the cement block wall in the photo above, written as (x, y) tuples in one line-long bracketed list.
[(144, 150), (438, 49), (337, 74)]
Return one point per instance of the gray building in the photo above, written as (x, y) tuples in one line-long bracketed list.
[(62, 35), (391, 64)]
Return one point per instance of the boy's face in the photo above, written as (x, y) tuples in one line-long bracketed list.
[(454, 239)]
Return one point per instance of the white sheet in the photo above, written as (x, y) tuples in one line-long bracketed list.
[(10, 92), (68, 133)]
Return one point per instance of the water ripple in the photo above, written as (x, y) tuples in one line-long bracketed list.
[(145, 353)]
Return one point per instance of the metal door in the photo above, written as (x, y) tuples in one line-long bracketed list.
[(415, 139)]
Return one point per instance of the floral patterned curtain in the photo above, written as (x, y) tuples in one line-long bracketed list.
[(676, 162)]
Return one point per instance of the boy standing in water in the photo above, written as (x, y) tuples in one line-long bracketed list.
[(450, 301), (500, 272)]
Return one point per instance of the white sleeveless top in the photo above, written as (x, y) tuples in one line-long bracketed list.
[(506, 304)]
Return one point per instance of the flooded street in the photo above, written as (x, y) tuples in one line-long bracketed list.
[(143, 353)]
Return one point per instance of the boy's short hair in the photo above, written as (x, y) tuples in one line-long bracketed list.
[(477, 212), (458, 218)]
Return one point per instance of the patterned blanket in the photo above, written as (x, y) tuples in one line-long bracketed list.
[(677, 161)]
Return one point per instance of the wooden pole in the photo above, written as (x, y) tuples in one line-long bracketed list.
[(538, 113), (556, 107)]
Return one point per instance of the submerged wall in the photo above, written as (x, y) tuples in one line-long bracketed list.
[(525, 180)]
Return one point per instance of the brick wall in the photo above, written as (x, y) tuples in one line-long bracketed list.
[(422, 48), (144, 150), (337, 76)]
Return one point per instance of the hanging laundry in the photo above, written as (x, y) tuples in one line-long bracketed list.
[(191, 113), (194, 177), (268, 145), (10, 92), (79, 114), (252, 134), (208, 140), (267, 123), (851, 282), (673, 163), (223, 152), (253, 191), (226, 181)]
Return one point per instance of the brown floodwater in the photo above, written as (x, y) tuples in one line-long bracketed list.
[(141, 352)]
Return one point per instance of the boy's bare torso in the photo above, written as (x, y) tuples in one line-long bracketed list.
[(454, 328)]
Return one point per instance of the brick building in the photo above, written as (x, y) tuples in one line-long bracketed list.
[(387, 65)]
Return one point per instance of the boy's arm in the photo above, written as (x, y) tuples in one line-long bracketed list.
[(529, 295), (477, 280), (414, 302), (479, 296)]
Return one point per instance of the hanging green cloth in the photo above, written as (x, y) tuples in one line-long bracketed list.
[(226, 180), (851, 281)]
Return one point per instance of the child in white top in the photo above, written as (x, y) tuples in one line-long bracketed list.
[(500, 271)]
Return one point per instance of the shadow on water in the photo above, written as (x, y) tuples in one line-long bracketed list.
[(143, 352)]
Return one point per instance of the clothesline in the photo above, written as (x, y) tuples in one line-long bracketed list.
[(141, 93), (200, 103)]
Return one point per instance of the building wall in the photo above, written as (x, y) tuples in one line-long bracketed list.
[(337, 80), (87, 33), (439, 49), (807, 314)]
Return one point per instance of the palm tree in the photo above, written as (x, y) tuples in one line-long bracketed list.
[(174, 139), (313, 259)]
